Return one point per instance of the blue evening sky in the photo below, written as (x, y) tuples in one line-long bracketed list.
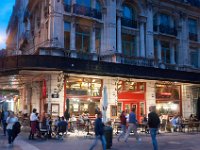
[(6, 7)]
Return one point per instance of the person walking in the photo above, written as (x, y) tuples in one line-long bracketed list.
[(11, 120), (33, 123), (132, 126), (123, 125), (153, 123), (99, 132), (4, 117)]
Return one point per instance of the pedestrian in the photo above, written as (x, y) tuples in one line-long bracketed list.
[(99, 132), (33, 123), (123, 125), (4, 117), (67, 115), (153, 123), (11, 120), (132, 126)]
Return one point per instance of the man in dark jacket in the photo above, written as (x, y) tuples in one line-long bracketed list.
[(154, 123), (99, 132)]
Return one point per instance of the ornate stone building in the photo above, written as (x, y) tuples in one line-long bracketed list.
[(151, 46)]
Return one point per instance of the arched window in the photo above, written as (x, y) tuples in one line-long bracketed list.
[(128, 12), (86, 3)]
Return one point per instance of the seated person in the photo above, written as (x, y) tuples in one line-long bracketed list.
[(62, 126), (56, 121), (175, 123)]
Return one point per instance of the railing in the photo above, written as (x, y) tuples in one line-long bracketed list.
[(138, 61), (167, 30), (87, 11), (67, 7), (129, 23), (193, 37)]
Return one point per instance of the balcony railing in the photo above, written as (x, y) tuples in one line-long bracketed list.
[(193, 37), (87, 11), (67, 8), (129, 23), (165, 29), (138, 61)]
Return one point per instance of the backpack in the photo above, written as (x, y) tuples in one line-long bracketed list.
[(17, 127)]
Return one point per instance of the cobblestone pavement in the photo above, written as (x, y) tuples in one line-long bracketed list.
[(166, 141)]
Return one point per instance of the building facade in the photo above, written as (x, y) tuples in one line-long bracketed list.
[(159, 34)]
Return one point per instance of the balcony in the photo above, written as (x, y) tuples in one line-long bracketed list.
[(193, 37), (67, 8), (138, 61), (129, 23), (165, 29), (87, 11)]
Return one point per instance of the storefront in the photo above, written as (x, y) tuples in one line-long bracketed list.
[(84, 95), (132, 95), (168, 99)]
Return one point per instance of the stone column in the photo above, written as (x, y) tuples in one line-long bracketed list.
[(172, 53), (119, 33), (73, 35), (92, 40), (149, 33), (142, 43), (159, 48)]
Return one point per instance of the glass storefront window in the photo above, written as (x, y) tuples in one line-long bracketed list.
[(83, 86), (168, 99), (80, 106)]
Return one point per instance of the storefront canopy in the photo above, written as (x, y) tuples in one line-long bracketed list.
[(14, 64)]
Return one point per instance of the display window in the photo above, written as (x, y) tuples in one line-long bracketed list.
[(84, 95)]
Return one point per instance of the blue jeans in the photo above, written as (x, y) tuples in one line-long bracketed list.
[(103, 141), (123, 129), (4, 124), (153, 132)]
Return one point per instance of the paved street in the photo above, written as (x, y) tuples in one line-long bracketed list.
[(167, 141)]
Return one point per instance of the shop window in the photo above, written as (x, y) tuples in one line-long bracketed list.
[(168, 98), (127, 108), (119, 108)]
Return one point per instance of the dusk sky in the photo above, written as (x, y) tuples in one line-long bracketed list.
[(6, 7)]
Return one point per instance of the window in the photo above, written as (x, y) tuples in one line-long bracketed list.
[(194, 57), (128, 12), (165, 52), (67, 35), (98, 40), (128, 45), (192, 26), (67, 2), (164, 20), (83, 38), (86, 3), (98, 6)]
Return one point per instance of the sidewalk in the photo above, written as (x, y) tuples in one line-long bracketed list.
[(166, 141)]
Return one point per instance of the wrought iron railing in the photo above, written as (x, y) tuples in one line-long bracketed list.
[(87, 11), (167, 30), (128, 23)]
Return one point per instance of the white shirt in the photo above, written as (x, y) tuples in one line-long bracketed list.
[(10, 122), (33, 117)]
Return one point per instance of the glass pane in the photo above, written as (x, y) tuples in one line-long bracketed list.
[(128, 12), (79, 41), (194, 58), (67, 2), (67, 26), (86, 3), (142, 109)]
